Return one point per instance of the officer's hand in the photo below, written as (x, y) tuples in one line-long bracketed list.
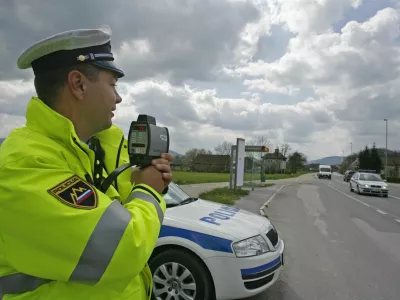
[(149, 176), (157, 176), (163, 164)]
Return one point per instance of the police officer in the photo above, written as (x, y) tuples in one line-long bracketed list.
[(60, 236)]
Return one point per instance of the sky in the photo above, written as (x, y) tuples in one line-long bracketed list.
[(320, 75)]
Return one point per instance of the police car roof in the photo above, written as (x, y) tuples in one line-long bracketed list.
[(366, 171)]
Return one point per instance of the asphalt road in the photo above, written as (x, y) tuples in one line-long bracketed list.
[(340, 245)]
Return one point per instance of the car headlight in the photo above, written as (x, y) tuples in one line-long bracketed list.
[(250, 247), (364, 185), (384, 187)]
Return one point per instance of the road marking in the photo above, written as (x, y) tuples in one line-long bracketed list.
[(363, 203), (394, 197), (381, 212), (397, 220), (262, 212), (351, 197)]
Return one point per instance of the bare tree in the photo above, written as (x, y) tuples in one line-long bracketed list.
[(285, 150), (224, 148)]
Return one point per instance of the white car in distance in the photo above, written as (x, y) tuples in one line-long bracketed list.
[(368, 182), (209, 251)]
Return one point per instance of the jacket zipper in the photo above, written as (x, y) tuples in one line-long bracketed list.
[(87, 175)]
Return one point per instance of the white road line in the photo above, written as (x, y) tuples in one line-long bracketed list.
[(381, 212), (397, 220), (262, 208), (363, 203), (394, 197), (348, 196)]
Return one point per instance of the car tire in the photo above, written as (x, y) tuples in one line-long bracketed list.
[(358, 190), (351, 189), (180, 261)]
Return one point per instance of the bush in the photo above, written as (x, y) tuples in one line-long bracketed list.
[(393, 179)]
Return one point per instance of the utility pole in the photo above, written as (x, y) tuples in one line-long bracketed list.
[(386, 165), (351, 150)]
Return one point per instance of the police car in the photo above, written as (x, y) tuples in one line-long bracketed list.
[(211, 251), (368, 182)]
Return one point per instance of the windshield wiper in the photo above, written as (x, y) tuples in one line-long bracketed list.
[(172, 204), (189, 200)]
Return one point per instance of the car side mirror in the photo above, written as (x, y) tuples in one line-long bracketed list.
[(384, 180)]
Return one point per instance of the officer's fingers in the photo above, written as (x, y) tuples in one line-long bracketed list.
[(163, 168), (160, 161), (167, 156), (167, 176)]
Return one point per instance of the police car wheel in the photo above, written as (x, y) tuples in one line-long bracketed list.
[(178, 275)]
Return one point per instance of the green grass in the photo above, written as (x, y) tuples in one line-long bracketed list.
[(182, 177), (224, 195)]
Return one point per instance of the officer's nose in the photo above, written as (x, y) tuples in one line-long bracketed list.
[(118, 97)]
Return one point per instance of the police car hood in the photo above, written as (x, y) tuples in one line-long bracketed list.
[(379, 183), (228, 221)]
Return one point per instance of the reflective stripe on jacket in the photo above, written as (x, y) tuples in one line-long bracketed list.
[(61, 238)]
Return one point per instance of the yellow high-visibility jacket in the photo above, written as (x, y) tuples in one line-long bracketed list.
[(60, 237)]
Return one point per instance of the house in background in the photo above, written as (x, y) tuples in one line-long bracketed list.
[(274, 162)]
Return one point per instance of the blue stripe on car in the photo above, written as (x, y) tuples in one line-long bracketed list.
[(261, 268), (205, 241)]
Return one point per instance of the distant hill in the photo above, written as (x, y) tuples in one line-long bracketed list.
[(330, 160), (175, 154)]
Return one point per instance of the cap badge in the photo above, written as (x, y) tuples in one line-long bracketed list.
[(81, 58)]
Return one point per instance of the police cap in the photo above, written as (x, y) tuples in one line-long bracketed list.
[(70, 48)]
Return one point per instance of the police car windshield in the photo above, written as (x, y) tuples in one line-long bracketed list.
[(175, 194), (370, 177)]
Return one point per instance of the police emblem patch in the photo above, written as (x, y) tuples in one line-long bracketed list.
[(75, 192)]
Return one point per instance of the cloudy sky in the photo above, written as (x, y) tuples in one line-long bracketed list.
[(317, 74)]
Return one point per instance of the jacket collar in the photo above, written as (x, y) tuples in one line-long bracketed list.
[(42, 118)]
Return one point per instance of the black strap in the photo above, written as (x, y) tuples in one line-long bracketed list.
[(110, 179)]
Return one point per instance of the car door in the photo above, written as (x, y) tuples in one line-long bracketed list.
[(353, 180)]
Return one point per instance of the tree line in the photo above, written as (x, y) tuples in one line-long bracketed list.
[(369, 159), (373, 158), (295, 159)]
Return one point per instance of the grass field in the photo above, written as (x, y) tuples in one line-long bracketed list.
[(224, 195), (195, 177)]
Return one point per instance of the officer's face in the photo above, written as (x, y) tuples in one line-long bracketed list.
[(103, 100)]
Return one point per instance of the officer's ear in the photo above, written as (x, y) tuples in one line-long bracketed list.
[(77, 83)]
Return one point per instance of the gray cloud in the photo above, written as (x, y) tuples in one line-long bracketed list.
[(351, 75), (188, 39)]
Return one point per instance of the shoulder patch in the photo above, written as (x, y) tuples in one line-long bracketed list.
[(75, 192)]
